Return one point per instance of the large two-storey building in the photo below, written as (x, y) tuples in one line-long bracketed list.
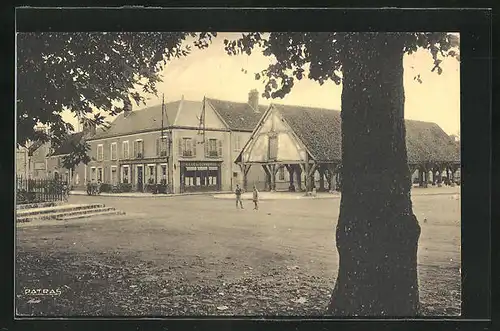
[(189, 145)]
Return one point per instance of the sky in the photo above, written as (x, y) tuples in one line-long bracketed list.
[(214, 74)]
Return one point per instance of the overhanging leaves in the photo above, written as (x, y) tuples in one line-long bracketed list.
[(321, 54)]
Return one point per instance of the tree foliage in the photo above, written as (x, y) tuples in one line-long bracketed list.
[(79, 154), (319, 55), (84, 72)]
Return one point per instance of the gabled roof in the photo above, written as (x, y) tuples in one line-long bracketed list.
[(237, 115), (147, 119), (67, 146), (319, 130)]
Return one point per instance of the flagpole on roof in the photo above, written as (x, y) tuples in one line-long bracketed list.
[(203, 114), (201, 125), (162, 112)]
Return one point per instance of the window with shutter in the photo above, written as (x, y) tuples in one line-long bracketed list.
[(139, 149), (180, 146), (100, 152), (207, 151), (158, 147), (219, 154), (187, 147), (140, 145), (113, 151), (125, 150), (162, 146), (194, 147), (212, 148)]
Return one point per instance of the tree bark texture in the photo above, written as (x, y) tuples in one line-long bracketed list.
[(377, 233)]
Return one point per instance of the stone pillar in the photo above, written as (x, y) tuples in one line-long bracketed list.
[(321, 179), (307, 167), (291, 173), (267, 186), (273, 168), (299, 178), (331, 179)]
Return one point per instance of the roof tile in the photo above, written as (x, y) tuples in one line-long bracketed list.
[(146, 119), (320, 130), (68, 144), (238, 115)]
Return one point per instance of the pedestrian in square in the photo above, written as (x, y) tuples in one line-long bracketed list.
[(255, 198), (89, 187), (238, 193), (65, 191)]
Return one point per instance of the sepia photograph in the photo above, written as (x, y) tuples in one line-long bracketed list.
[(184, 174)]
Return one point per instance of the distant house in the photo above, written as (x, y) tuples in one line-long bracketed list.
[(306, 142), (55, 167), (22, 162), (31, 161), (190, 145)]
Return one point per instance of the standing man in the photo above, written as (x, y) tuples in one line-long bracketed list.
[(238, 196), (255, 198)]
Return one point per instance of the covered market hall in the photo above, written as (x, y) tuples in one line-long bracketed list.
[(307, 143)]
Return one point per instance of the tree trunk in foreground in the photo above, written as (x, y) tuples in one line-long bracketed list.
[(377, 232)]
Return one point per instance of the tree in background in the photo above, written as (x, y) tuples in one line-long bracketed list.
[(83, 72), (377, 232)]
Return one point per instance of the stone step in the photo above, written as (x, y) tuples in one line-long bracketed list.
[(57, 209), (59, 215), (39, 205), (96, 214)]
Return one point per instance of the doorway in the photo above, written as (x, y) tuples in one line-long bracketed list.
[(140, 178)]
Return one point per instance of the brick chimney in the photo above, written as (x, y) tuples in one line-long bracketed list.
[(253, 100), (127, 107), (89, 128)]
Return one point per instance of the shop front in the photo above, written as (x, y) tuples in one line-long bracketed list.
[(144, 175), (200, 176)]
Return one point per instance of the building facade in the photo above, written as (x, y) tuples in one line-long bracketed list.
[(22, 161), (54, 165), (190, 146), (31, 162)]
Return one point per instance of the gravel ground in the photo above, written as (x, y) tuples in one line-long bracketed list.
[(201, 256)]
